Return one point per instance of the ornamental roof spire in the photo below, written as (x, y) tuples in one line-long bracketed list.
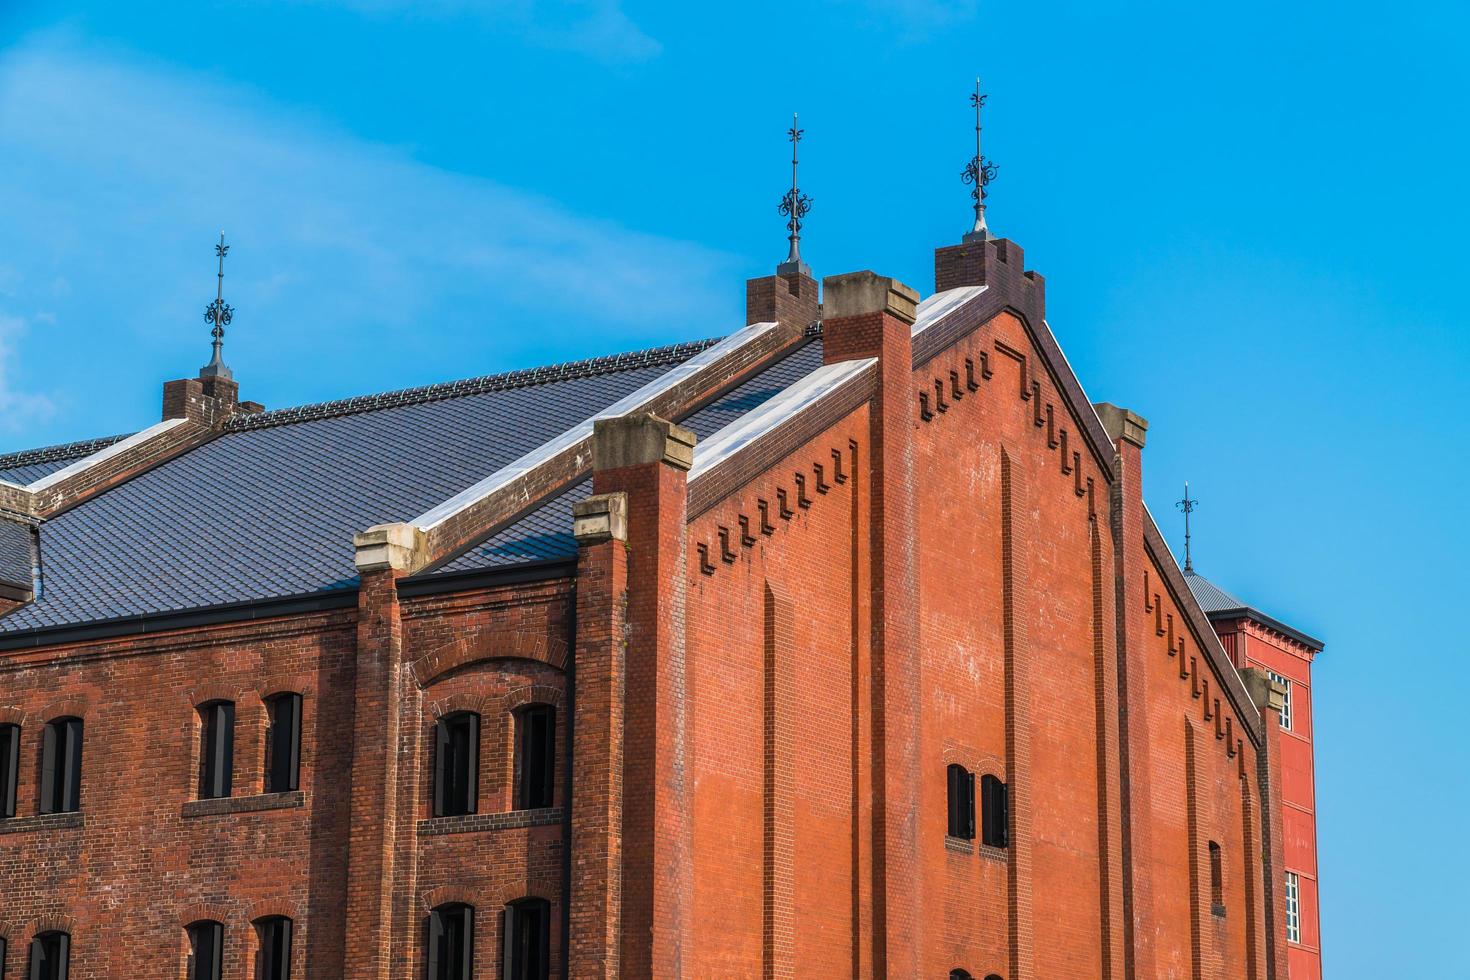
[(220, 314), (1187, 505), (795, 206), (979, 173)]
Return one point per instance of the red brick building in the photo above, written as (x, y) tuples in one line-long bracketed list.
[(844, 646), (1254, 639)]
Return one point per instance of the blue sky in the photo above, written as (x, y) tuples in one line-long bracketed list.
[(1251, 219)]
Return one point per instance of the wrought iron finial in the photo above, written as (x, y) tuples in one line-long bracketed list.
[(980, 172), (220, 314), (795, 206), (1187, 505)]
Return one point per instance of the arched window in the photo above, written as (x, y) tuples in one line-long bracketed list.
[(4, 948), (451, 942), (1217, 880), (216, 749), (50, 956), (961, 802), (283, 743), (535, 755), (992, 976), (273, 960), (61, 766), (206, 950), (960, 975), (457, 764), (9, 768), (996, 806), (528, 939)]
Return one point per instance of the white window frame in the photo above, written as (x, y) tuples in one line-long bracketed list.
[(1293, 908), (1286, 705)]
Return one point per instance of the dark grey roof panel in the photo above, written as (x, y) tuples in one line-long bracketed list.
[(547, 531), (16, 559), (270, 511), (1215, 601)]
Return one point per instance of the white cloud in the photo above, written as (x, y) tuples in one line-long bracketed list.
[(19, 409), (600, 29), (113, 175)]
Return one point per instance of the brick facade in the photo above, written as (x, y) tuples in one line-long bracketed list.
[(759, 675)]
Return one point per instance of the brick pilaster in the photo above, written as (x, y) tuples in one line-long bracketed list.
[(648, 459), (383, 555), (866, 315), (1128, 432), (1270, 696), (598, 734)]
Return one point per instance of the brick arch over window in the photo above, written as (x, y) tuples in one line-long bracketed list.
[(980, 763), (530, 694), (203, 912), (51, 922), (479, 645), (463, 701), (74, 707), (11, 715), (205, 693), (448, 895), (545, 888), (269, 907), (302, 684)]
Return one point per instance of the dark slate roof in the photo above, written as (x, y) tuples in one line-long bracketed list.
[(546, 532), (15, 553), (268, 509), (1217, 603), (30, 465)]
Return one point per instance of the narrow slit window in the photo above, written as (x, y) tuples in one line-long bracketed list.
[(457, 764), (216, 749), (527, 939), (61, 766), (536, 756), (1286, 703), (9, 770), (1293, 907), (1217, 879), (275, 948), (961, 794), (283, 743), (50, 956), (206, 950), (451, 942), (996, 807)]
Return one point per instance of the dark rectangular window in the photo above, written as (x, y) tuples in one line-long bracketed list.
[(9, 771), (206, 950), (275, 948), (451, 943), (50, 956), (457, 764), (995, 806), (216, 749), (61, 766), (537, 755), (283, 744), (1217, 880), (527, 940), (961, 797)]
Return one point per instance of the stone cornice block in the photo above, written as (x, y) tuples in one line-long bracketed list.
[(859, 293), (1121, 423), (640, 439), (389, 546), (600, 518)]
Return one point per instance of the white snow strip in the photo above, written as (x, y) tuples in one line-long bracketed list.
[(759, 421), (102, 455), (511, 472), (941, 305)]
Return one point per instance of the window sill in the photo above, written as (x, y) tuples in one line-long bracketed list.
[(958, 844), (990, 853), (472, 822), (244, 804), (43, 821)]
